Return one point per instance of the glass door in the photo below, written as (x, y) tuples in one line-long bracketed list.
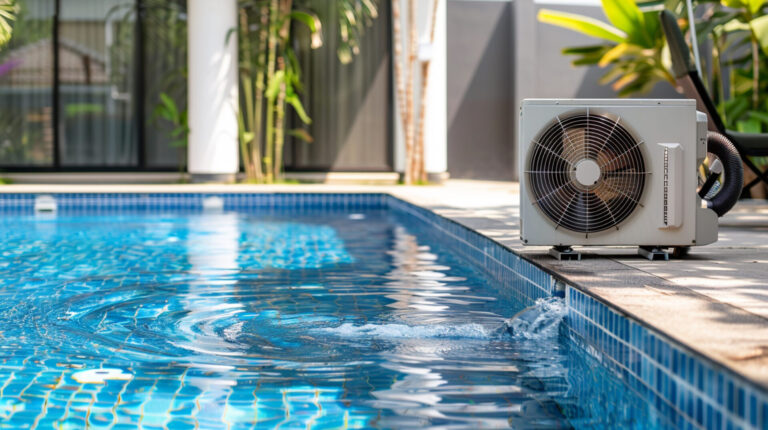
[(97, 123)]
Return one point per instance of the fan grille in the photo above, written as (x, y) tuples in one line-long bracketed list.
[(586, 172)]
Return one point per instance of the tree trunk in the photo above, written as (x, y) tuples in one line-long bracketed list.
[(409, 96), (755, 73), (258, 126), (421, 171), (279, 126), (398, 60), (269, 150), (245, 114)]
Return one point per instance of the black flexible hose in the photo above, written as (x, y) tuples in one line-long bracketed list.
[(729, 193)]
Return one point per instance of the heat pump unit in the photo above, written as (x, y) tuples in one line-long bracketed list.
[(613, 172)]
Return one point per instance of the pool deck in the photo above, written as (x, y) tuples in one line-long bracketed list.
[(715, 301)]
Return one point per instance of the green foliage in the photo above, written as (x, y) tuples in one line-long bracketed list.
[(8, 11), (271, 74), (76, 109), (354, 17), (759, 27), (167, 110), (738, 32), (582, 24), (270, 79), (633, 48), (635, 54)]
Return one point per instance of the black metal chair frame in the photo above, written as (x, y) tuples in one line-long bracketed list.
[(687, 77)]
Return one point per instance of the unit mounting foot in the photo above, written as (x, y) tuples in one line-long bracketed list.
[(564, 253), (653, 253)]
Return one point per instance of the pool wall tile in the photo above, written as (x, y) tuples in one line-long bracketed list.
[(699, 392), (496, 260)]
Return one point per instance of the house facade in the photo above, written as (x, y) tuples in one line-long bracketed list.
[(81, 79)]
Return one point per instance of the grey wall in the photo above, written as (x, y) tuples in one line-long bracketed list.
[(498, 53), (349, 103), (479, 89)]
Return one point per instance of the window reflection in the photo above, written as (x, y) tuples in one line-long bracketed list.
[(26, 88), (96, 73)]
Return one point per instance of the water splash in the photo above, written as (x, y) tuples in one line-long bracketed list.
[(539, 321), (403, 331)]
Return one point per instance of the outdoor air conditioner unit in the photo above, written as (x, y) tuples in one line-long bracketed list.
[(612, 172)]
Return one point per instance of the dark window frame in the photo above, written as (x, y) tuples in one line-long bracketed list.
[(139, 113)]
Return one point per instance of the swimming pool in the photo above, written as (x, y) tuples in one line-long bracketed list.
[(284, 311)]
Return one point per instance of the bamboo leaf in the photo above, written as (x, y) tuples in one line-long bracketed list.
[(737, 107), (759, 116), (653, 30), (344, 53), (759, 28), (301, 134), (749, 126), (755, 6), (613, 74), (624, 81), (585, 61), (614, 54), (169, 104), (582, 24), (273, 86), (627, 17), (372, 10), (735, 25), (734, 4), (295, 101), (313, 23), (584, 49)]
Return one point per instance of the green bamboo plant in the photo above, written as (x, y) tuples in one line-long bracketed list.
[(270, 79), (271, 75)]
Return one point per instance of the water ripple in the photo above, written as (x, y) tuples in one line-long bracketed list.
[(231, 320)]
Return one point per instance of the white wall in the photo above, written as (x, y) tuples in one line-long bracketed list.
[(213, 90), (435, 136)]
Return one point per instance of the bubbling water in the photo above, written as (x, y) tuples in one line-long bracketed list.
[(542, 320)]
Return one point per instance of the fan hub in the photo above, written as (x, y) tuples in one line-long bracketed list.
[(587, 172)]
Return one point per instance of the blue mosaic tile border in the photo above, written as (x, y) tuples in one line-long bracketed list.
[(690, 390), (499, 262), (24, 203), (686, 389)]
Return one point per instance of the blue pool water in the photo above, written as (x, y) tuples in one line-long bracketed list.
[(301, 319)]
